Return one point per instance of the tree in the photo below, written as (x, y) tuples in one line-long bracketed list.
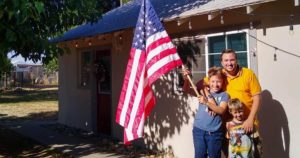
[(5, 65), (124, 1), (27, 25), (51, 66), (5, 68)]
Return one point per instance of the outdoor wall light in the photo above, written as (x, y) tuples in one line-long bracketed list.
[(251, 25), (291, 29), (222, 19), (190, 25), (178, 22)]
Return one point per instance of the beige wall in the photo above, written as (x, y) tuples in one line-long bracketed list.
[(279, 114), (170, 124), (74, 104)]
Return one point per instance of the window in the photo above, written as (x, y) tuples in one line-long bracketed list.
[(199, 53), (235, 41), (191, 51), (85, 68)]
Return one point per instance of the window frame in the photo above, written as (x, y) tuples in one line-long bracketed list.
[(80, 68), (225, 34), (177, 88)]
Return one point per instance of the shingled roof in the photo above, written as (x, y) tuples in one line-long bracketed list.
[(126, 16)]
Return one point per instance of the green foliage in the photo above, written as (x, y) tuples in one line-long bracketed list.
[(5, 65), (125, 1), (51, 66), (27, 25)]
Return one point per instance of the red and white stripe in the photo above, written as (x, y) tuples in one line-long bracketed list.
[(144, 68)]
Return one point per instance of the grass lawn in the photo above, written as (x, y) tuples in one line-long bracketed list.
[(22, 105), (29, 104)]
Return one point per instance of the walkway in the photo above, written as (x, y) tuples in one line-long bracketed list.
[(73, 145)]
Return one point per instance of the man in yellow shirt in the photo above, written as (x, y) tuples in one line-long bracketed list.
[(242, 83)]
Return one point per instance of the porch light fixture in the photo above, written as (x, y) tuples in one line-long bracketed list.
[(291, 28), (90, 42), (275, 54), (76, 44), (221, 17), (190, 25), (251, 25), (209, 17), (264, 31), (181, 21), (178, 22), (213, 15)]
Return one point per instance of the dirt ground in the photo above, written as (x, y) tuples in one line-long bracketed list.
[(15, 145), (32, 104)]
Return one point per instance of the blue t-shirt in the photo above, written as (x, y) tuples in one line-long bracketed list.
[(206, 122)]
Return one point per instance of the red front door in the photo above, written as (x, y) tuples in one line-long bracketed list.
[(103, 71)]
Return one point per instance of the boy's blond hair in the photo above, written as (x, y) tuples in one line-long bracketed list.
[(235, 104), (216, 71)]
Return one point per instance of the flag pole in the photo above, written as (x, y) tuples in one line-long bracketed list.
[(192, 84)]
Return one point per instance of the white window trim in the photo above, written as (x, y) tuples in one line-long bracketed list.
[(226, 33)]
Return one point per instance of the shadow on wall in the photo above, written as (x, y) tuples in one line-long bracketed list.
[(274, 127), (172, 110), (169, 115)]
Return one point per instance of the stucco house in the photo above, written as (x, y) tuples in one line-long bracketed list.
[(265, 34), (26, 72)]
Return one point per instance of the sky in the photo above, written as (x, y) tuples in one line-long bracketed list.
[(20, 60)]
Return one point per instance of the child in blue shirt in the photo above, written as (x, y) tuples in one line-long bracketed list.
[(207, 131)]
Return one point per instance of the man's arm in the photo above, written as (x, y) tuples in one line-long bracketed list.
[(248, 124)]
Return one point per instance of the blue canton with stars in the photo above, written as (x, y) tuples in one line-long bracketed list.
[(147, 25)]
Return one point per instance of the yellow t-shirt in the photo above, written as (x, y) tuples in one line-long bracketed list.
[(243, 86)]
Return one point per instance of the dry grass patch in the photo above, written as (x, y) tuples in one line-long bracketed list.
[(29, 104)]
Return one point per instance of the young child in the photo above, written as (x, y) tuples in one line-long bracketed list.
[(240, 142), (207, 130)]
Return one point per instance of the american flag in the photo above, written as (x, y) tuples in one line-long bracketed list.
[(152, 54)]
